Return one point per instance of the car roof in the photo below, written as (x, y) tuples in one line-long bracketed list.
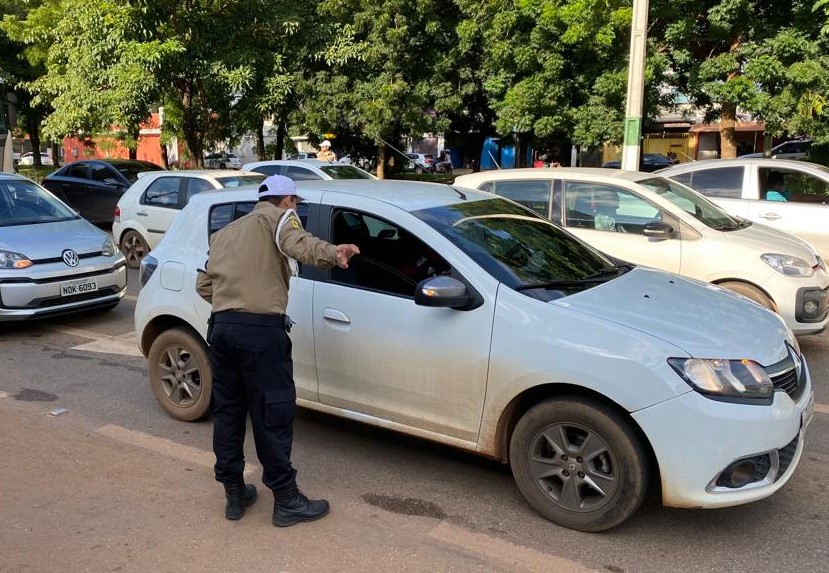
[(13, 176), (741, 162), (595, 173), (407, 195), (208, 173)]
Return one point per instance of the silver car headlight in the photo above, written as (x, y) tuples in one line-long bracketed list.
[(11, 260), (109, 248), (788, 265), (740, 379)]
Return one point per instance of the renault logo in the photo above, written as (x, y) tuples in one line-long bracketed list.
[(70, 257)]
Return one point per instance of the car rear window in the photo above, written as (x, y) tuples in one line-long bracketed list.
[(344, 172), (240, 180)]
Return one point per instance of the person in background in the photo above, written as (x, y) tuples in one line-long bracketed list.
[(246, 282), (775, 187), (325, 153)]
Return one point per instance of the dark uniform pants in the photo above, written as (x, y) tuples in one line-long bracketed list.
[(253, 374)]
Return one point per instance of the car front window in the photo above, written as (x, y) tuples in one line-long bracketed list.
[(25, 203), (344, 172), (693, 203), (520, 248)]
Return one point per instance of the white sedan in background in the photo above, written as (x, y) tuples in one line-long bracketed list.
[(308, 169), (146, 210), (651, 220)]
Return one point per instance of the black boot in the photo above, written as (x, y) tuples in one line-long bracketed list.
[(298, 508), (239, 496)]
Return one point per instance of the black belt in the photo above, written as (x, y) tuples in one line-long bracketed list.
[(253, 318)]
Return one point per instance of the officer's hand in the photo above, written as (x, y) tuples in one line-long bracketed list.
[(344, 253)]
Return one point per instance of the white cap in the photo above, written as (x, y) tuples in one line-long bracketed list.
[(325, 143), (277, 186)]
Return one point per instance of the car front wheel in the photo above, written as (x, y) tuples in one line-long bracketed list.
[(134, 248), (579, 463), (180, 374)]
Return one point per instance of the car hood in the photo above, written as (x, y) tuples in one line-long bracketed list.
[(704, 320), (764, 239), (49, 240)]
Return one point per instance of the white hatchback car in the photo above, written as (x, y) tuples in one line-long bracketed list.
[(308, 169), (146, 209), (651, 220), (740, 186), (469, 320)]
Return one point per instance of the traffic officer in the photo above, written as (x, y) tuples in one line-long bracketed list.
[(246, 281), (325, 153)]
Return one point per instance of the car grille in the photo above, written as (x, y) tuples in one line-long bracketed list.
[(784, 376), (785, 456)]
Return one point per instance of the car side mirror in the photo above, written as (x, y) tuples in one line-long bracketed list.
[(658, 230), (445, 292), (111, 181)]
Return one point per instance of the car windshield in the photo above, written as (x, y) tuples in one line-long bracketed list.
[(520, 248), (694, 204), (23, 202), (240, 180), (344, 172), (130, 172)]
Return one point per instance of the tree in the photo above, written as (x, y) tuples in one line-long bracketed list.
[(760, 56)]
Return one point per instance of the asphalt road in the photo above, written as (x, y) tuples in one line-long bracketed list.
[(397, 503)]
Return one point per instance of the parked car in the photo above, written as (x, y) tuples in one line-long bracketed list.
[(29, 159), (93, 186), (419, 162), (650, 163), (794, 149), (742, 186), (222, 160), (51, 260), (149, 206), (308, 169), (654, 221), (511, 339)]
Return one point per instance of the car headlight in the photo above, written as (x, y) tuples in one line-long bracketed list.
[(741, 379), (10, 260), (788, 265), (109, 248)]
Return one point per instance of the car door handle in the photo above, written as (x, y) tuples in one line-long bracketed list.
[(335, 315), (770, 216), (141, 213)]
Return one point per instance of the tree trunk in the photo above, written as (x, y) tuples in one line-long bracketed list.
[(190, 127), (281, 131), (165, 159), (381, 161), (55, 154), (260, 139), (728, 131), (33, 127)]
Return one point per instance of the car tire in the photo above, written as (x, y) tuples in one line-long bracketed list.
[(222, 166), (180, 374), (418, 170), (579, 463), (134, 248), (750, 292)]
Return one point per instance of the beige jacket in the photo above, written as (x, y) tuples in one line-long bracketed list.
[(246, 270), (326, 155)]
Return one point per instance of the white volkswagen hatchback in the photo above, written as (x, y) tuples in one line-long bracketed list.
[(469, 320), (651, 220)]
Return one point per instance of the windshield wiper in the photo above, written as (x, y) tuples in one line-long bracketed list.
[(562, 284), (613, 271)]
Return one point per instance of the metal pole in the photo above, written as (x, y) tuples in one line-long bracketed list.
[(636, 85)]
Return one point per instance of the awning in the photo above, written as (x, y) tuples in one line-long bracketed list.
[(715, 127)]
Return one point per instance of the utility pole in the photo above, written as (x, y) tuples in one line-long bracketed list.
[(636, 86)]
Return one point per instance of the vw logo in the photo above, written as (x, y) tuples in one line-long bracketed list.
[(70, 257)]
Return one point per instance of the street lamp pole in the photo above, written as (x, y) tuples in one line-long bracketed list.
[(636, 85)]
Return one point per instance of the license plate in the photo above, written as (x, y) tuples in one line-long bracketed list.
[(808, 411), (80, 286)]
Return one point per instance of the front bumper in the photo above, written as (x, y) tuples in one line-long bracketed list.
[(804, 307), (695, 439), (36, 292)]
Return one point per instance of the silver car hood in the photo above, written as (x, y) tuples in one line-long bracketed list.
[(702, 319), (49, 240)]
